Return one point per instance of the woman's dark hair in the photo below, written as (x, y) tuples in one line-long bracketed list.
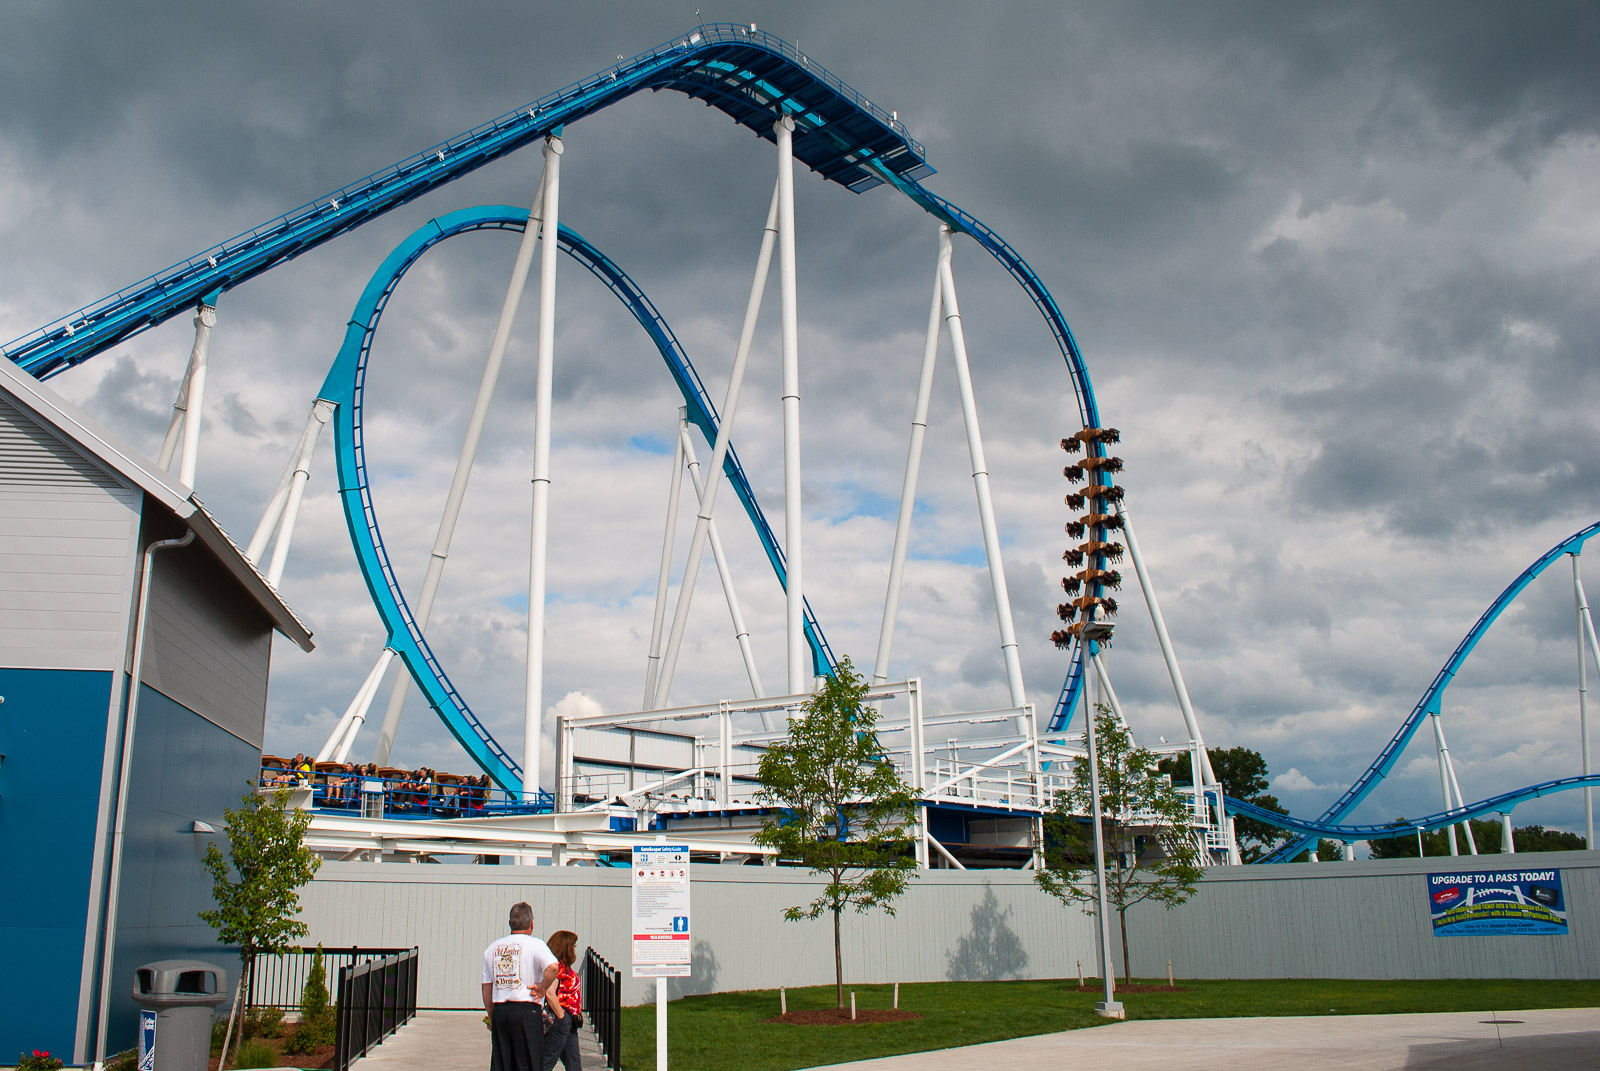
[(564, 946)]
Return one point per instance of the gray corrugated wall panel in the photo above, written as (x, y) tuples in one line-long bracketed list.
[(207, 643), (740, 938), (66, 570), (1365, 919), (1350, 920)]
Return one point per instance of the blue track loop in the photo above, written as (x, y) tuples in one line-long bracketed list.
[(1327, 824), (345, 388)]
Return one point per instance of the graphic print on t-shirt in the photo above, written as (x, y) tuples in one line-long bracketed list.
[(508, 966)]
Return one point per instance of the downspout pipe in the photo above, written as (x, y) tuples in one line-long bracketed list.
[(124, 772)]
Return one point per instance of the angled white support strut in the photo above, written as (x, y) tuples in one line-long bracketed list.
[(533, 710), (980, 474), (464, 461), (658, 622), (190, 404), (719, 452), (321, 411), (908, 488), (740, 632)]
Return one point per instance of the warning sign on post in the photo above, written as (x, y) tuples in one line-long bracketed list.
[(661, 911)]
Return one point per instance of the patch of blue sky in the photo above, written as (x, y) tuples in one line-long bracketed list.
[(972, 554), (651, 444), (518, 602), (862, 502)]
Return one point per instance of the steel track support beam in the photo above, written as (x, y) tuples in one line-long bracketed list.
[(343, 737), (908, 487), (538, 553), (321, 412), (1164, 638), (980, 473), (1586, 639), (280, 494), (798, 679), (740, 632), (438, 557), (719, 452), (652, 671), (188, 407)]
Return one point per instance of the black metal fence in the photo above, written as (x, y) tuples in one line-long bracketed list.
[(375, 998), (279, 981), (602, 1000)]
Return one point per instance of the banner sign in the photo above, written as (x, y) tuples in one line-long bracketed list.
[(661, 911), (1497, 902)]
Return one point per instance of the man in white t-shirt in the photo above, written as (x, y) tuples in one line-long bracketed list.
[(517, 970)]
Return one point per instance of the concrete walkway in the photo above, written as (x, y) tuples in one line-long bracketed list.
[(1562, 1040), (451, 1039)]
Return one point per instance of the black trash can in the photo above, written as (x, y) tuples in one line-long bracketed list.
[(178, 999)]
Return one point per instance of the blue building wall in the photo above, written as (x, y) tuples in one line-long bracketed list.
[(52, 734), (184, 768)]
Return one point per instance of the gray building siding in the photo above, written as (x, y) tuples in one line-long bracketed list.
[(206, 646), (1333, 920), (67, 529)]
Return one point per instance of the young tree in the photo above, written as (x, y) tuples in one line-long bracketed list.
[(1242, 773), (257, 897), (1150, 847), (842, 809)]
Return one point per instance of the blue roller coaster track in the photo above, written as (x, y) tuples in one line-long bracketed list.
[(754, 78), (750, 75), (1328, 824)]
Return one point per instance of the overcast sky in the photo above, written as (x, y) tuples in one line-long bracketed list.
[(1332, 267)]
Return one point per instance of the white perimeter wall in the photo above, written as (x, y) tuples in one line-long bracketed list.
[(1330, 920)]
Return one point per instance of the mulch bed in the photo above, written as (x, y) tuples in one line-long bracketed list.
[(836, 1017), (1123, 988)]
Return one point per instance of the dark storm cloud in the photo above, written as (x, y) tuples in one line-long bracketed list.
[(1329, 266)]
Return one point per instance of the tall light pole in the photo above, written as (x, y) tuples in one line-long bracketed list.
[(1094, 634)]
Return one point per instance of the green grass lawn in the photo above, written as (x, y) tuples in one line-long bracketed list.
[(724, 1032)]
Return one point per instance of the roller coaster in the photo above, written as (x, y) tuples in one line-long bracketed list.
[(771, 88)]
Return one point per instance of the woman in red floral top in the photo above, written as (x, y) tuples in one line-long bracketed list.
[(561, 1042)]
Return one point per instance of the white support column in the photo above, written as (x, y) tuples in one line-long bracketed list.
[(1585, 633), (280, 495), (1508, 841), (1190, 722), (1444, 776), (1455, 786), (908, 487), (464, 461), (205, 319), (799, 677), (320, 412), (980, 473), (533, 710), (343, 735), (180, 406), (652, 672), (740, 632), (719, 452)]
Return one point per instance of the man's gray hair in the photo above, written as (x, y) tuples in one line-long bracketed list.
[(521, 916)]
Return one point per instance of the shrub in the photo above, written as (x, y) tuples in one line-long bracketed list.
[(264, 1022), (255, 1054), (309, 1037), (38, 1060), (314, 997), (123, 1061)]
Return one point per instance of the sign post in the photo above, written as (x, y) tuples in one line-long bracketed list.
[(661, 940)]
